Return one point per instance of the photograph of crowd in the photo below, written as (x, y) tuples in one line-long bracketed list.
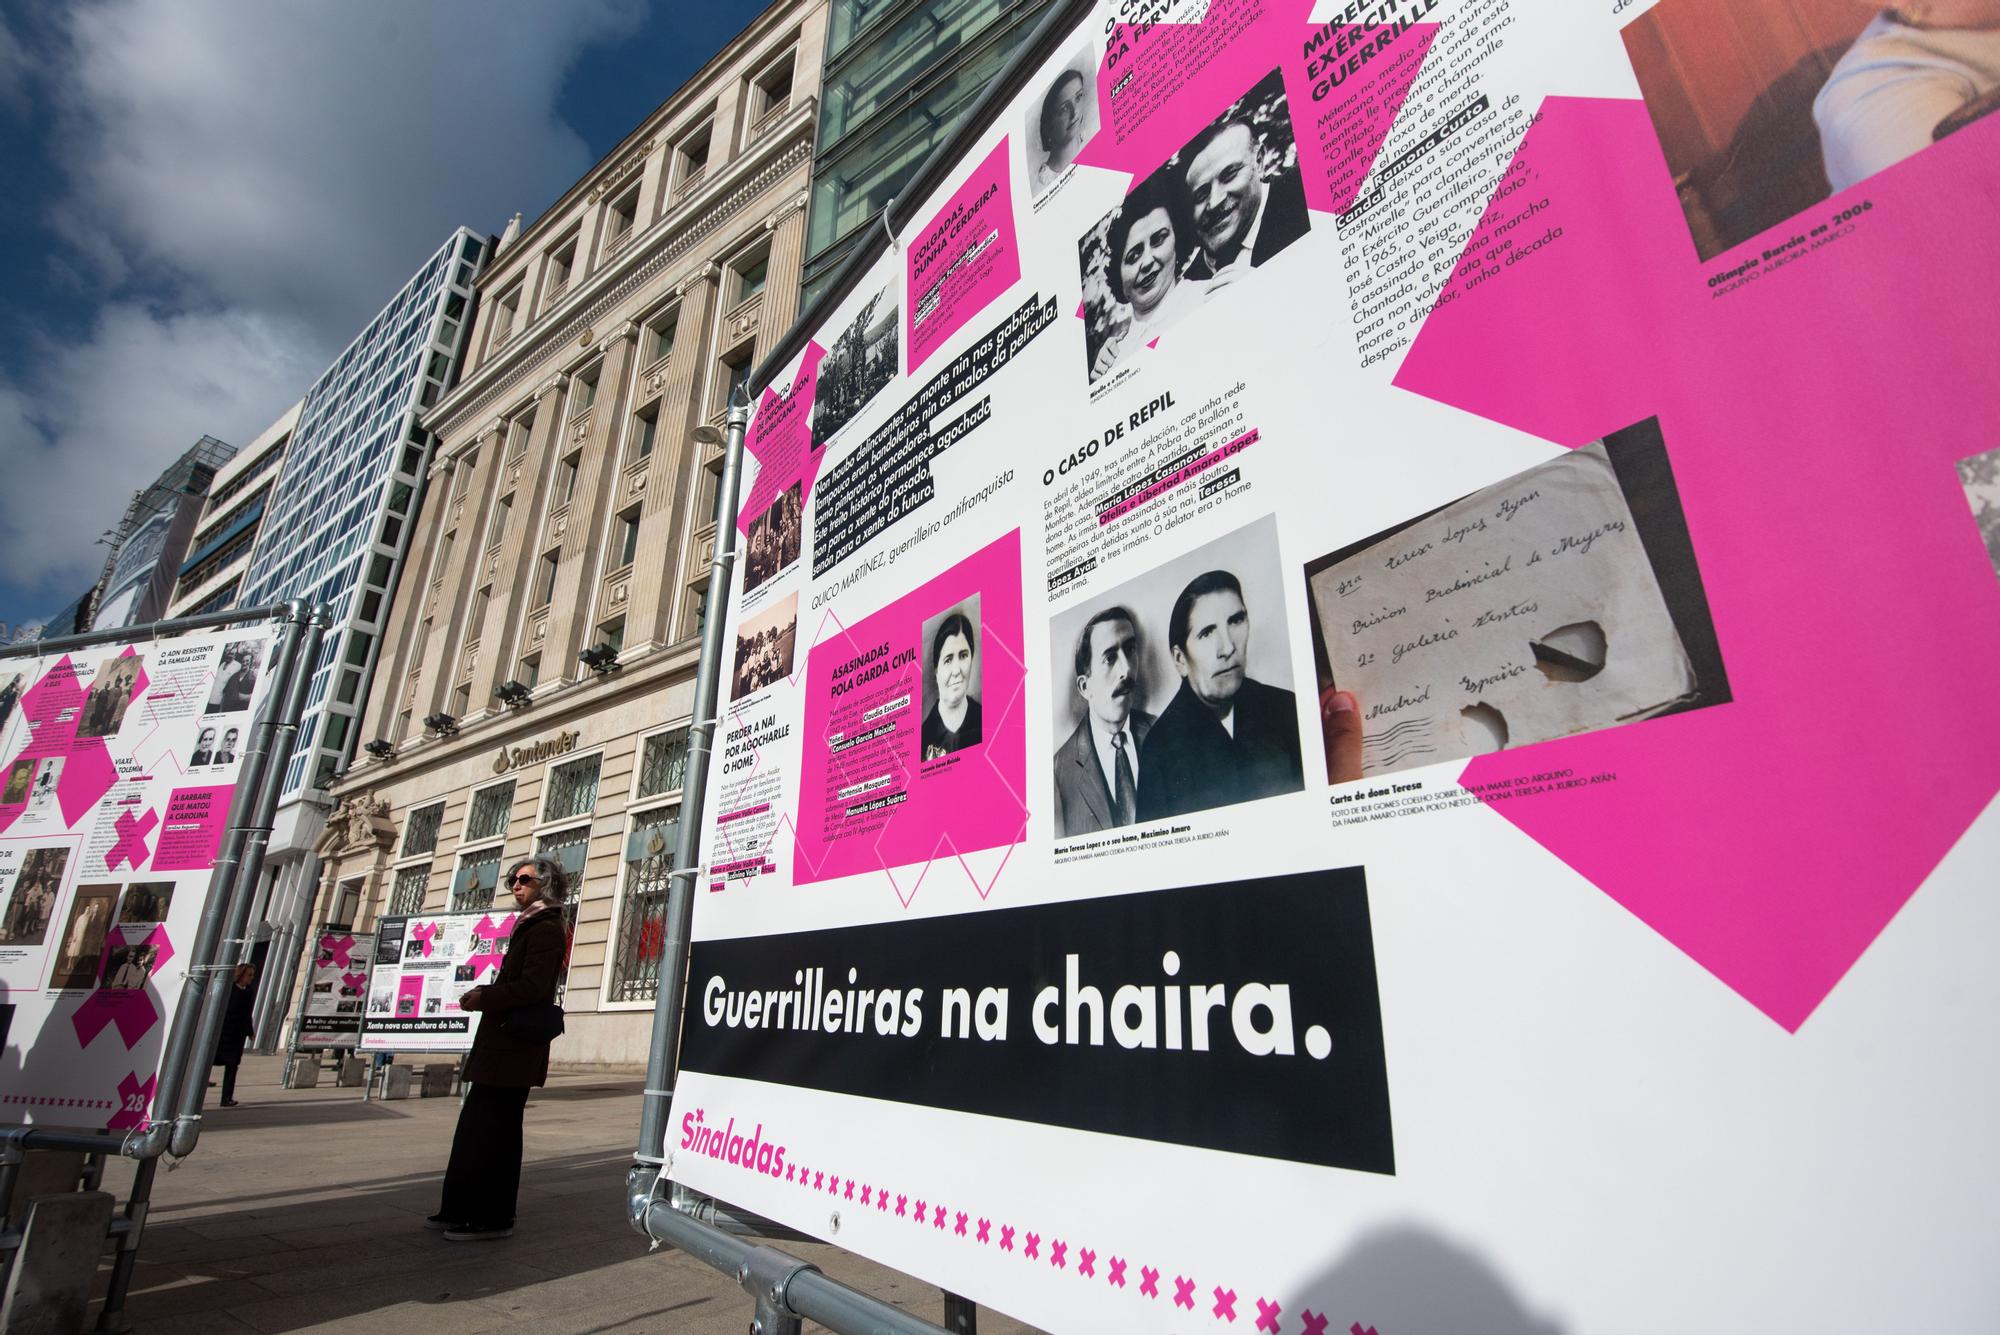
[(1173, 691), (1061, 121), (774, 539), (951, 690), (864, 357), (764, 646), (109, 696), (235, 677), (147, 902), (1229, 201), (1765, 111), (24, 918)]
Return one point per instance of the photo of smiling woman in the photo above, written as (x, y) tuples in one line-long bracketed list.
[(951, 684), (1062, 122)]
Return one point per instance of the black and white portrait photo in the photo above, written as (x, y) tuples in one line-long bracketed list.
[(11, 686), (773, 542), (48, 778), (865, 356), (19, 775), (764, 645), (1229, 201), (951, 681), (128, 966), (1061, 121), (235, 677), (83, 936), (109, 696), (24, 914), (1173, 692), (146, 902)]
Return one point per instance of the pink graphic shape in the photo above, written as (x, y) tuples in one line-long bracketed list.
[(937, 1216), (491, 934), (972, 800), (959, 1219), (1363, 99), (1225, 1304), (1356, 1329), (1149, 1281), (779, 438), (1032, 1247), (129, 848), (1818, 488), (353, 980), (424, 933), (1116, 1275), (962, 257), (1315, 1324), (340, 949), (135, 1101), (985, 1232), (1059, 1254), (1184, 1292), (1006, 1237), (131, 1010), (1267, 1316), (1086, 1262), (87, 773)]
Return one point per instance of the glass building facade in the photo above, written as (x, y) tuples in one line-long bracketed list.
[(338, 522), (900, 76)]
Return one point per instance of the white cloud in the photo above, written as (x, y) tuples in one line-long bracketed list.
[(248, 182)]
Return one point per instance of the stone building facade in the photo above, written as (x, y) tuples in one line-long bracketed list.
[(572, 510)]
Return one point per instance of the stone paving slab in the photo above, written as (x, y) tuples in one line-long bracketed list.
[(302, 1210)]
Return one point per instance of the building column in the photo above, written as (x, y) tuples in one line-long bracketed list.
[(584, 518), (656, 585)]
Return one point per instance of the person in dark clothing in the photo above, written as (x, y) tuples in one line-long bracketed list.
[(482, 1181), (238, 1019)]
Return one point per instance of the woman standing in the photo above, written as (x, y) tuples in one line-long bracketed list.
[(238, 1019), (483, 1179)]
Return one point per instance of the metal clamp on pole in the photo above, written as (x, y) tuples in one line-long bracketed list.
[(766, 1275)]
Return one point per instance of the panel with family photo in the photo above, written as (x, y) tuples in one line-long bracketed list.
[(1173, 691), (109, 697), (951, 683), (1228, 202), (235, 677), (216, 746), (24, 916), (764, 647), (129, 963)]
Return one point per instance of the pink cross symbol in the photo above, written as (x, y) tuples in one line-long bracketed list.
[(1034, 1248), (134, 1099), (850, 1190), (959, 1223), (423, 932), (1117, 1275), (130, 845), (339, 950), (1356, 1329), (819, 1180), (902, 1205), (1058, 1254), (790, 1169), (921, 1209), (1267, 1316), (1183, 1292), (833, 1186), (1315, 1323), (937, 1217), (985, 1230), (353, 980), (1149, 1281), (1225, 1304), (1006, 1237), (1086, 1262), (881, 1200)]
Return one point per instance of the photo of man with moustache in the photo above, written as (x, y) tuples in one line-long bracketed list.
[(1097, 768)]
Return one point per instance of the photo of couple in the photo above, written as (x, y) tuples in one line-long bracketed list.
[(1229, 201)]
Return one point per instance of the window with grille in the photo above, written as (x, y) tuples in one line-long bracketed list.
[(567, 848), (408, 895), (420, 833), (490, 809), (473, 886), (572, 789), (663, 763), (649, 857)]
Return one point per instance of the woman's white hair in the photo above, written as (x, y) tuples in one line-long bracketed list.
[(554, 880)]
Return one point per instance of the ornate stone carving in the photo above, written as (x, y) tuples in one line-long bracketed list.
[(358, 822)]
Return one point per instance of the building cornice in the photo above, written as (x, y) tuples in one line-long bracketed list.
[(668, 241)]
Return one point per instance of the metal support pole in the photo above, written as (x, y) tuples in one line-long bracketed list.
[(111, 1319), (766, 1274), (664, 1063)]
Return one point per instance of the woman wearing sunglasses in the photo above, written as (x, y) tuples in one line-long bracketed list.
[(510, 1056)]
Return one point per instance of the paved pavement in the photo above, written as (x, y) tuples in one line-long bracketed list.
[(302, 1210)]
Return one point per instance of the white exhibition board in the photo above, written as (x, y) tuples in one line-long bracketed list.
[(118, 768), (1360, 690)]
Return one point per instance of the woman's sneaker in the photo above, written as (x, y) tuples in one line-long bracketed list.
[(439, 1221), (478, 1232)]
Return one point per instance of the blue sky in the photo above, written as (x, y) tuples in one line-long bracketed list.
[(206, 199)]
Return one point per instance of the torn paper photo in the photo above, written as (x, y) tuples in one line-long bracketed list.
[(1560, 601)]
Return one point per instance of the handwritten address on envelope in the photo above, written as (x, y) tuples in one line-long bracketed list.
[(1521, 613)]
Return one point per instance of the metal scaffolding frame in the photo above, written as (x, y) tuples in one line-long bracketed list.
[(220, 939)]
